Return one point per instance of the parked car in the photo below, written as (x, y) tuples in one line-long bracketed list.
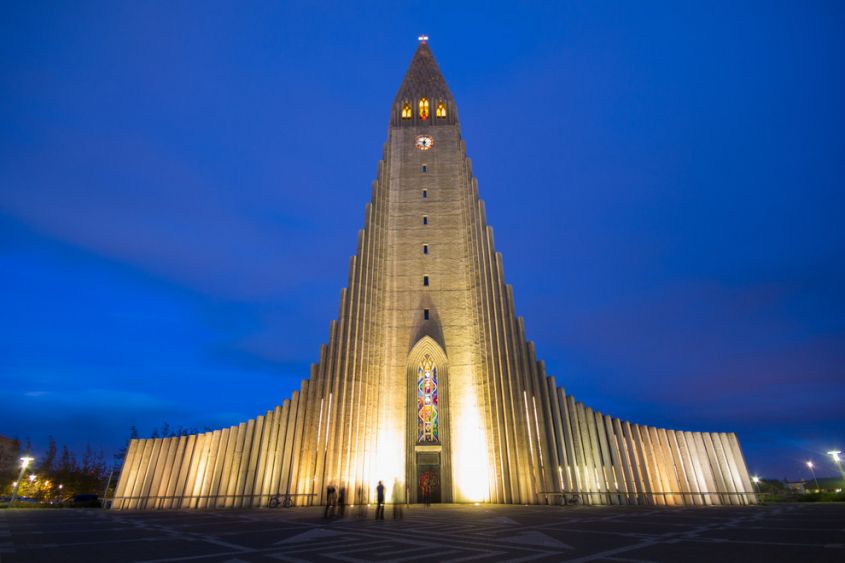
[(82, 501), (18, 501)]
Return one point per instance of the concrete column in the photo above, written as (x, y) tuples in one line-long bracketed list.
[(127, 470), (182, 481)]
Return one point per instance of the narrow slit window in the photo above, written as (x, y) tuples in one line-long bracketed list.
[(424, 168), (425, 249), (425, 281), (425, 194), (425, 314), (425, 219), (406, 110)]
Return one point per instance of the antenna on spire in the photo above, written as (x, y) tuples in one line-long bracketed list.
[(423, 38)]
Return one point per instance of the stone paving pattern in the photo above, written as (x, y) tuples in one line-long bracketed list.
[(787, 532)]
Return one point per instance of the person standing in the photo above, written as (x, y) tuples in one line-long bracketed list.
[(331, 499), (362, 503), (397, 500), (341, 502), (380, 501)]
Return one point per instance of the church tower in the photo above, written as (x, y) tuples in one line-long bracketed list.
[(427, 382)]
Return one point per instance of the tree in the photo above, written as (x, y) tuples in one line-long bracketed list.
[(120, 454), (10, 452), (46, 465)]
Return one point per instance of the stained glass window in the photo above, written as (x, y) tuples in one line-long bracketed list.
[(423, 108), (428, 427), (406, 111), (441, 110)]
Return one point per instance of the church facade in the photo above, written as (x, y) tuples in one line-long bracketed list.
[(427, 382)]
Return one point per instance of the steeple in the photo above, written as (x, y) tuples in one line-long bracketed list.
[(423, 80), (423, 77)]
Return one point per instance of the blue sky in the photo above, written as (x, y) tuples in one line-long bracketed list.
[(181, 185)]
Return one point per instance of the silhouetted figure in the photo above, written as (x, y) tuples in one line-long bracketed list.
[(397, 500), (426, 490), (380, 501), (341, 502), (331, 501), (361, 501)]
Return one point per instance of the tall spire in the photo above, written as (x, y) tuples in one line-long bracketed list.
[(423, 77)]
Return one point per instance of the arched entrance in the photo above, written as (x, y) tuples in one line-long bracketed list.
[(428, 460)]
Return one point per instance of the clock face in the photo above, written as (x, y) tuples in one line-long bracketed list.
[(424, 142)]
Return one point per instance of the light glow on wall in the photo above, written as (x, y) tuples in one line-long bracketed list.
[(470, 466), (390, 461)]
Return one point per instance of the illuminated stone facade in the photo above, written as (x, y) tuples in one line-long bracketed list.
[(427, 379)]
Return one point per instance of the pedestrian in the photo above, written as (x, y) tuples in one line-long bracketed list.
[(331, 499), (362, 503), (397, 500), (380, 501), (341, 502)]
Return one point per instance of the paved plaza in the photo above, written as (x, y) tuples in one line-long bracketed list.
[(783, 532)]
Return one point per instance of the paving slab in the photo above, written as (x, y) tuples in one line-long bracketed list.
[(456, 533)]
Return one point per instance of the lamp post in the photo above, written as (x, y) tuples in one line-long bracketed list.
[(756, 481), (813, 471), (24, 462), (837, 460)]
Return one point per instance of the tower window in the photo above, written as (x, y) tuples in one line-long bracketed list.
[(425, 194), (424, 168), (425, 314), (406, 110), (441, 110), (425, 249), (423, 108), (425, 280), (425, 219)]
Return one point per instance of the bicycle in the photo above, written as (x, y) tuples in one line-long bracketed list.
[(572, 499), (276, 500)]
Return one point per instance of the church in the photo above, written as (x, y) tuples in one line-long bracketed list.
[(427, 382)]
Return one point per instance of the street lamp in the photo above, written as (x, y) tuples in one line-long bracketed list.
[(837, 460), (756, 481), (24, 463), (813, 471)]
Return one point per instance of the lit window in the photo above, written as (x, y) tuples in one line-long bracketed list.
[(441, 110), (427, 404), (425, 314), (425, 280), (425, 194), (423, 108), (425, 219), (425, 249), (406, 110)]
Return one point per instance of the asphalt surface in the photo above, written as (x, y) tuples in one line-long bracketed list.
[(778, 532)]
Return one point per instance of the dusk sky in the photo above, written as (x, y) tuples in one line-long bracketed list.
[(181, 185)]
